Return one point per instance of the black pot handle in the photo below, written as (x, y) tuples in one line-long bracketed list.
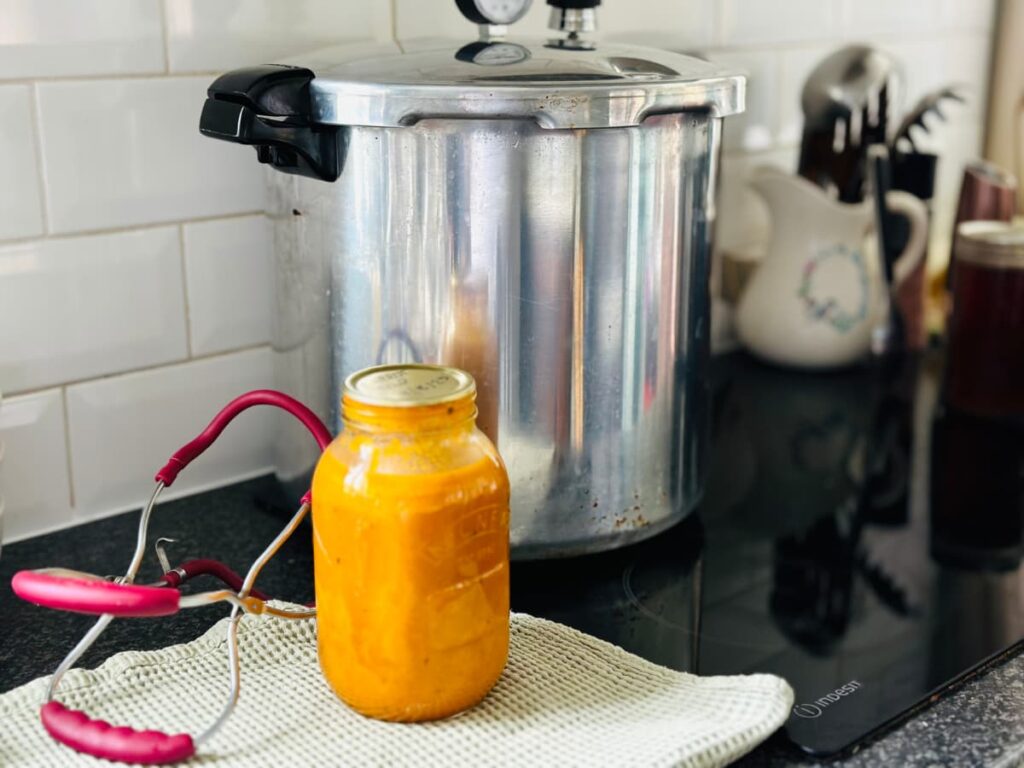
[(269, 107)]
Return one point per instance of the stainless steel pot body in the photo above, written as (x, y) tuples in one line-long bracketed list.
[(567, 270)]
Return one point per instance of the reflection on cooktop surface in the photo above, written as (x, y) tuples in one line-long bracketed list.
[(855, 538)]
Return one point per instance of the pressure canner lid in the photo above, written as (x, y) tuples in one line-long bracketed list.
[(557, 83), (293, 112)]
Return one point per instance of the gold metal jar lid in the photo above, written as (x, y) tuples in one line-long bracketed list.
[(408, 384), (990, 244)]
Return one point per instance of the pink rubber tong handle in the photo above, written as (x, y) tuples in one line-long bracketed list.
[(204, 567), (183, 456), (81, 593), (101, 739)]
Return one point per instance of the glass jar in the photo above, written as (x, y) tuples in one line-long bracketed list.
[(985, 361), (410, 521)]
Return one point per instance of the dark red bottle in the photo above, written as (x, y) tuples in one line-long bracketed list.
[(985, 368)]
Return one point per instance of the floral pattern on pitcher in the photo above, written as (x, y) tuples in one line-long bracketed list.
[(842, 312), (820, 292)]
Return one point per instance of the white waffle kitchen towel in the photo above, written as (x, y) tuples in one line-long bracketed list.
[(565, 699)]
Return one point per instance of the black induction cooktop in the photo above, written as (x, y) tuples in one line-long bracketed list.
[(855, 538)]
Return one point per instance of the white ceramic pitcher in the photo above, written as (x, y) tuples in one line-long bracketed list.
[(820, 291)]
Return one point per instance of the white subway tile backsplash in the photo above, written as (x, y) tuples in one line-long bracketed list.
[(795, 66), (753, 22), (21, 209), (123, 429), (673, 24), (931, 64), (87, 306), (962, 15), (967, 61), (37, 494), (864, 18), (126, 152), (229, 279), (684, 25), (60, 38), (757, 127), (922, 64), (204, 35), (415, 18)]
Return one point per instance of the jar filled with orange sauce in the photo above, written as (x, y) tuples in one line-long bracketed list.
[(410, 533)]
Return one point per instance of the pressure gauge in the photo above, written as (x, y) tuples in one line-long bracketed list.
[(492, 54), (493, 11)]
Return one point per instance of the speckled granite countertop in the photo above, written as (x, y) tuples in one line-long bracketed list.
[(980, 724)]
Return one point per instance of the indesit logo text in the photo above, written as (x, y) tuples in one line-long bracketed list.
[(814, 709)]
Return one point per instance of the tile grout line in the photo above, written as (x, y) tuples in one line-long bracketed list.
[(879, 38), (130, 228), (184, 291), (37, 147), (718, 23), (780, 107), (179, 492), (165, 36), (67, 446), (102, 77), (840, 10), (141, 369)]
